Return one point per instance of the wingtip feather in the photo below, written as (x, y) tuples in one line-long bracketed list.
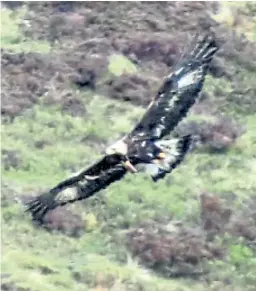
[(39, 206), (206, 47)]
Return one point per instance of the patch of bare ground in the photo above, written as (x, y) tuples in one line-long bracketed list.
[(26, 77), (63, 220), (216, 135), (89, 32), (177, 250)]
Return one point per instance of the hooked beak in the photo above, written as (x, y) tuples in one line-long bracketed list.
[(128, 165)]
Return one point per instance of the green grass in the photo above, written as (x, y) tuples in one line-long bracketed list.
[(39, 260), (119, 64), (231, 11), (30, 250), (12, 37), (61, 134)]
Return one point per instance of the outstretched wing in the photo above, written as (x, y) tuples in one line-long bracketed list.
[(178, 92), (87, 182), (175, 151)]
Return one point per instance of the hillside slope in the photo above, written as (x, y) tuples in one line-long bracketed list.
[(75, 77)]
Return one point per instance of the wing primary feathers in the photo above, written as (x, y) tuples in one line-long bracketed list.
[(186, 50), (201, 48), (172, 102), (178, 93), (39, 205), (204, 48), (84, 188)]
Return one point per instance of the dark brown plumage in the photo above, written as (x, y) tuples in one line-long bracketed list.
[(144, 143)]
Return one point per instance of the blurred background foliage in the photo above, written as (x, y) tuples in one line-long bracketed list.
[(78, 75)]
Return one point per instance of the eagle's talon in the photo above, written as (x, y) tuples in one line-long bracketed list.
[(161, 156), (143, 144)]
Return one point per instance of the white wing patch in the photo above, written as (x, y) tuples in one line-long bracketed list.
[(158, 130), (188, 79), (171, 103), (172, 151), (66, 195), (178, 71)]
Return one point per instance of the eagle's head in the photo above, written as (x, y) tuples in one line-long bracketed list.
[(121, 148)]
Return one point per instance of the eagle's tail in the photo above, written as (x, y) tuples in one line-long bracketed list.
[(175, 150)]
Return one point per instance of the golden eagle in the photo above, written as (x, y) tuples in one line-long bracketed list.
[(144, 144)]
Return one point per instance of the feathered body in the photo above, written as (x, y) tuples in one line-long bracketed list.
[(144, 144), (100, 175)]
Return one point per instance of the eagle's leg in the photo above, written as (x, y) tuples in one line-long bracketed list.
[(161, 156)]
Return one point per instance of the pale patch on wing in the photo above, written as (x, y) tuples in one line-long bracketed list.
[(66, 195), (167, 144), (188, 79), (87, 177), (158, 130), (178, 71), (171, 149), (172, 102)]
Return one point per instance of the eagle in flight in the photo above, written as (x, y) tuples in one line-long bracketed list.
[(145, 144)]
